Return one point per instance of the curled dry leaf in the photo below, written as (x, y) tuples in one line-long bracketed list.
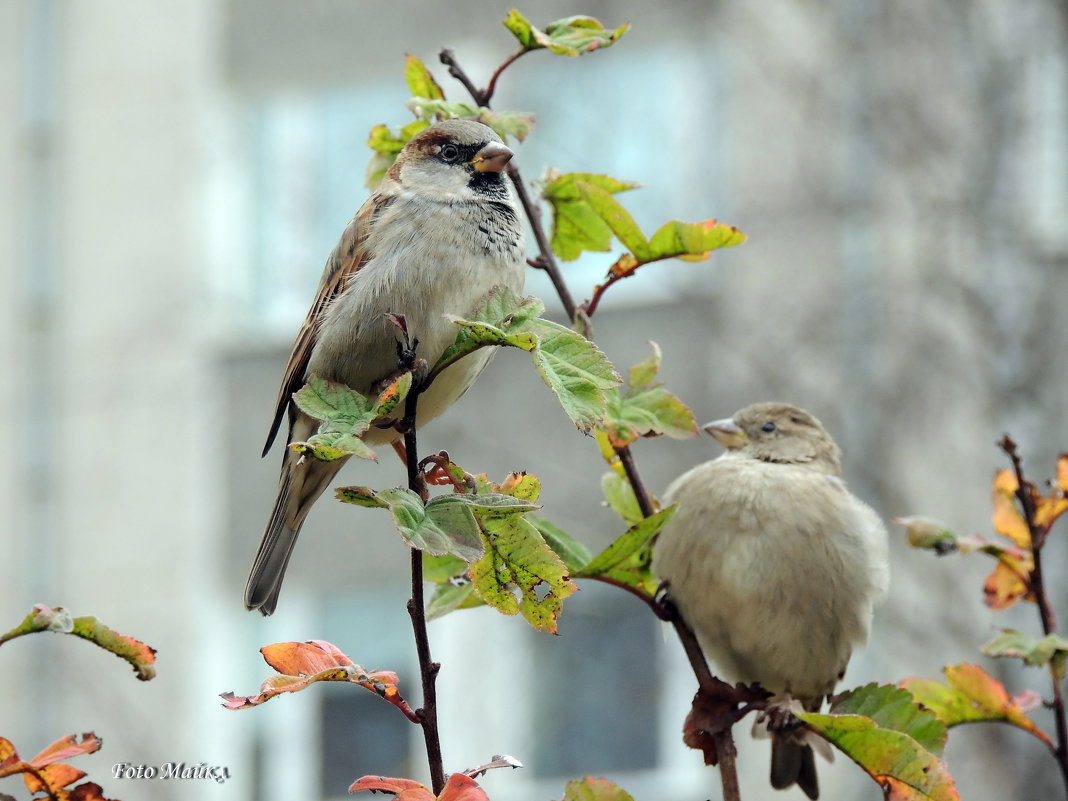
[(301, 664)]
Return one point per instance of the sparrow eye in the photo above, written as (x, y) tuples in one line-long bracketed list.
[(449, 153), (768, 427)]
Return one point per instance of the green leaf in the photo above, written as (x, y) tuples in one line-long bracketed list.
[(572, 366), (644, 372), (518, 561), (971, 695), (332, 402), (1034, 651), (517, 124), (571, 36), (894, 708), (446, 525), (594, 789), (619, 495), (651, 412), (575, 369), (489, 506), (360, 496), (573, 552), (901, 766), (429, 109), (344, 416), (626, 561), (677, 239), (522, 29), (450, 597), (420, 82), (474, 335), (440, 569), (585, 215)]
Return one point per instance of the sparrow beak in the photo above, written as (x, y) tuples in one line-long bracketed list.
[(492, 158), (727, 433)]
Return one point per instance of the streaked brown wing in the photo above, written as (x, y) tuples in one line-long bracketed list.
[(348, 256)]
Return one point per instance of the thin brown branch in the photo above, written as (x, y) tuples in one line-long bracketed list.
[(645, 502), (1037, 584), (546, 260), (487, 93), (428, 669), (448, 58)]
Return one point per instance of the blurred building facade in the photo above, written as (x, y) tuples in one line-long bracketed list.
[(178, 172)]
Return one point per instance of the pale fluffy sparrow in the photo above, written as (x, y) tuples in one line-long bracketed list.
[(774, 564), (440, 230)]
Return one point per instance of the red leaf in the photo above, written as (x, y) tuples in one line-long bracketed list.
[(462, 788)]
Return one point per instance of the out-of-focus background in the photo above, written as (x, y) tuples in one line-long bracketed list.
[(174, 175)]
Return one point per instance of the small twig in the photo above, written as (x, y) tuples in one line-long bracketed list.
[(487, 93), (428, 669), (1037, 585), (590, 306), (545, 259), (448, 58), (645, 502)]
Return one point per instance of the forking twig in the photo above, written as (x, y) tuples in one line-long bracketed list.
[(1037, 585), (547, 261)]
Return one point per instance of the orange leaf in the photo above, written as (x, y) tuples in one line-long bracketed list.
[(304, 658), (67, 747), (52, 778), (1007, 518), (1048, 509), (1006, 585), (404, 789), (303, 664), (1062, 472)]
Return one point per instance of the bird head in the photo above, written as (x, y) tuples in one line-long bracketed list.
[(454, 161), (780, 433)]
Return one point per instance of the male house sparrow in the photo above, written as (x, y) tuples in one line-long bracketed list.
[(774, 564), (440, 231)]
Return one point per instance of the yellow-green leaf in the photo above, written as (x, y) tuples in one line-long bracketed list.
[(520, 573), (420, 82), (971, 695), (626, 561), (571, 36), (896, 762)]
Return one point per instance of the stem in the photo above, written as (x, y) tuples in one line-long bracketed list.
[(645, 503), (428, 669), (487, 94), (728, 771), (545, 260), (448, 58), (1037, 584)]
